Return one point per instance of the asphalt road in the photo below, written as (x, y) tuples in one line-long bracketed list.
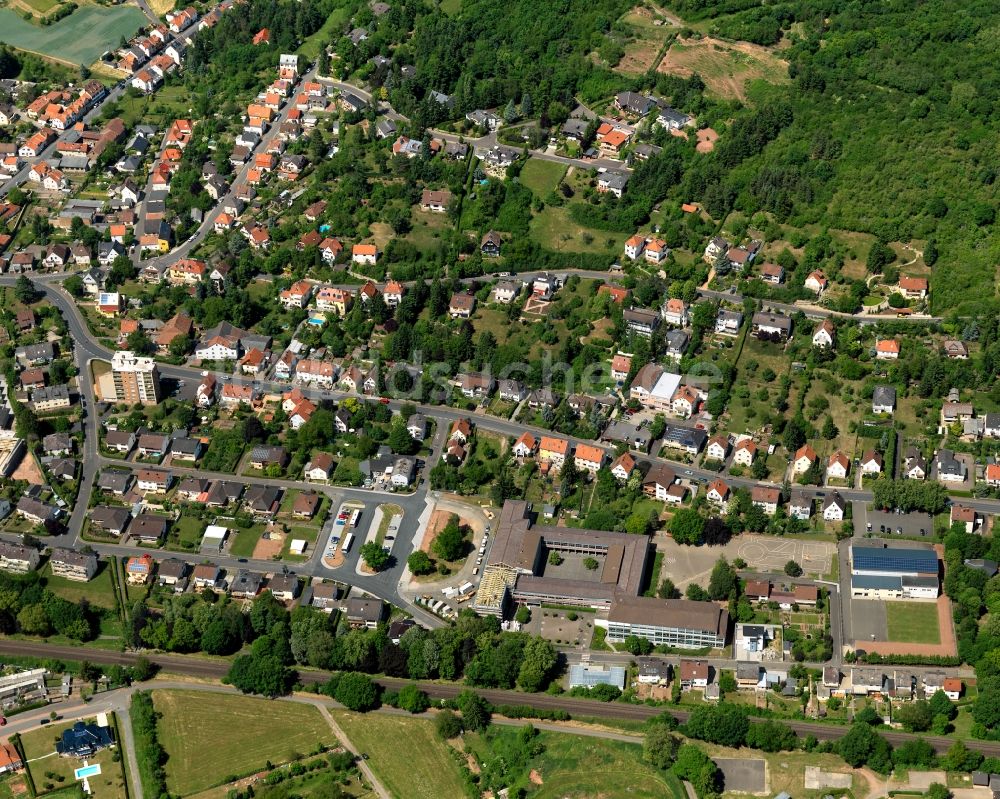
[(578, 708)]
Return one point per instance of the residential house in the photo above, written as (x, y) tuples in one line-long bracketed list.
[(966, 516), (772, 273), (320, 467), (766, 498), (838, 466), (139, 570), (17, 558), (553, 451), (949, 468), (675, 312), (871, 463), (153, 480), (589, 458), (622, 467), (773, 327), (115, 481), (913, 288), (887, 349), (693, 674), (883, 399), (641, 321), (744, 452), (206, 575), (834, 507), (805, 457), (800, 506), (262, 501), (506, 291), (611, 181), (110, 519), (475, 384), (525, 446), (462, 305), (914, 464), (728, 323), (824, 334), (718, 493), (263, 456), (718, 448), (816, 282), (621, 365), (512, 390)]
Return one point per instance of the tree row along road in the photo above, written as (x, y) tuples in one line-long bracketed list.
[(579, 708)]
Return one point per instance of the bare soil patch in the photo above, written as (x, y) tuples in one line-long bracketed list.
[(29, 471), (269, 548), (725, 67), (707, 138)]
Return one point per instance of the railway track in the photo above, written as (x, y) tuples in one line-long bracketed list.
[(193, 666)]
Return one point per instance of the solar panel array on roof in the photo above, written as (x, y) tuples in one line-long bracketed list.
[(891, 559)]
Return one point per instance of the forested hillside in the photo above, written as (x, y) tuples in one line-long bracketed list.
[(891, 131), (887, 126)]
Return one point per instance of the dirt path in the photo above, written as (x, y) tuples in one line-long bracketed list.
[(876, 785), (377, 786)]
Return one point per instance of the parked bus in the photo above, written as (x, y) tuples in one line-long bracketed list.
[(346, 546), (355, 518)]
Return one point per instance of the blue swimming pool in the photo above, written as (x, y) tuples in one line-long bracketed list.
[(88, 771)]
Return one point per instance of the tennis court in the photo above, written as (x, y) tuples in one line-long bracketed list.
[(80, 38)]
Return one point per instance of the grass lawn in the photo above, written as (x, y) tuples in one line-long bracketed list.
[(244, 541), (542, 176), (913, 622), (187, 532), (310, 47), (427, 228), (98, 591), (405, 754), (58, 771), (575, 767), (553, 229), (212, 737)]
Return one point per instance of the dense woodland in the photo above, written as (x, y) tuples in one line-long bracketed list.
[(886, 127)]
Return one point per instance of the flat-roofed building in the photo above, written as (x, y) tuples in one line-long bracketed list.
[(667, 622), (518, 569)]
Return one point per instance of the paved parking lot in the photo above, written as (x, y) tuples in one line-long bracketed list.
[(912, 525), (743, 776)]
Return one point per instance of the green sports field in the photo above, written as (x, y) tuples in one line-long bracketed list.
[(913, 622), (80, 38)]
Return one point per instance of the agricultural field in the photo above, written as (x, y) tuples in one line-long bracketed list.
[(80, 38), (229, 726), (913, 622), (52, 773), (726, 68), (432, 774)]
